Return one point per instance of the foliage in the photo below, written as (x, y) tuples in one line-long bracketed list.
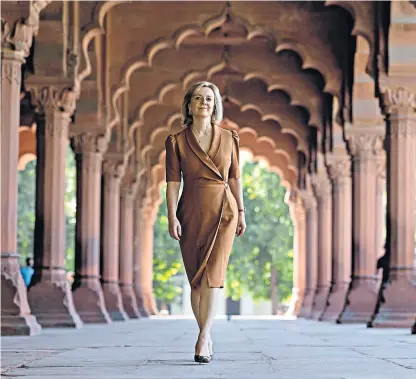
[(267, 241), (167, 260), (26, 210)]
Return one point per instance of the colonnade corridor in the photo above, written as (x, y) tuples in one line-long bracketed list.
[(251, 348)]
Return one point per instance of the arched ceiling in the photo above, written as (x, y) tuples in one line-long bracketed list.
[(284, 68)]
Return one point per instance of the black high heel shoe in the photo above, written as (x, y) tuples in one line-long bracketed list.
[(202, 358)]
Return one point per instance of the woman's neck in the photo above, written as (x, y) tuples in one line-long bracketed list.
[(200, 125)]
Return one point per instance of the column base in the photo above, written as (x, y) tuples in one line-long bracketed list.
[(140, 303), (52, 303), (16, 317), (89, 301), (296, 302), (128, 298), (307, 303), (113, 302), (397, 308), (320, 303), (150, 303), (361, 301), (336, 302)]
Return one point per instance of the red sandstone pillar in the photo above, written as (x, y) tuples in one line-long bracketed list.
[(340, 172), (50, 296), (297, 212), (146, 266), (126, 251), (311, 255), (323, 190), (137, 253), (16, 318), (398, 307), (113, 171), (365, 144), (87, 291)]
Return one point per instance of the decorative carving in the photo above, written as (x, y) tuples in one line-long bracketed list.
[(339, 166), (403, 128), (88, 142), (51, 97), (55, 127), (114, 168), (11, 71), (362, 144), (381, 165), (395, 99), (18, 37), (321, 185), (309, 200)]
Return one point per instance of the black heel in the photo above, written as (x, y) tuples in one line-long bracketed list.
[(201, 359)]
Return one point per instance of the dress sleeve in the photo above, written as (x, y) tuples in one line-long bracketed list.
[(234, 171), (173, 166)]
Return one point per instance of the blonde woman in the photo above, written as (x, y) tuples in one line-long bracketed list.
[(210, 212)]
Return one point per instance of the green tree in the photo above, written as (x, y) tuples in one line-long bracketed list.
[(268, 241), (167, 260)]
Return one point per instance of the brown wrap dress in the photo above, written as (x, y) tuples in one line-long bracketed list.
[(207, 209)]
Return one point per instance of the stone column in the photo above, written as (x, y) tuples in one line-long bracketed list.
[(113, 171), (146, 266), (323, 191), (380, 213), (137, 257), (16, 317), (297, 212), (365, 144), (311, 254), (126, 251), (340, 173), (87, 291), (398, 305), (50, 296)]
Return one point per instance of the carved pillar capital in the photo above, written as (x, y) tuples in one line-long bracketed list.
[(399, 99), (53, 98), (90, 143), (339, 167), (321, 185), (366, 141)]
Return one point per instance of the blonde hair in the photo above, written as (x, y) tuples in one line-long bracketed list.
[(217, 113)]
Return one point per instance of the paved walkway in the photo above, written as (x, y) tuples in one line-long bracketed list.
[(244, 348)]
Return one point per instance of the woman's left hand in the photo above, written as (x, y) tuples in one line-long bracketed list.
[(241, 225)]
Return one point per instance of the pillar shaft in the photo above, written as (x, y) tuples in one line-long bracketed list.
[(137, 257), (113, 172), (16, 317), (87, 291), (323, 191), (399, 293), (50, 295), (126, 251), (340, 172), (365, 144), (299, 251), (311, 254)]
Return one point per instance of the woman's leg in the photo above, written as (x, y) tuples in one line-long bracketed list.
[(207, 310), (195, 299)]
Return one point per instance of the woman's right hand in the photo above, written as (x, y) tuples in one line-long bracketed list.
[(175, 229)]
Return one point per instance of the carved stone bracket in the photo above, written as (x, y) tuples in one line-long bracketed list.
[(19, 23)]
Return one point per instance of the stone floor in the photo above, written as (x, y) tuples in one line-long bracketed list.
[(259, 348)]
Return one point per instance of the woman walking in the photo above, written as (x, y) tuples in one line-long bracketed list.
[(210, 212)]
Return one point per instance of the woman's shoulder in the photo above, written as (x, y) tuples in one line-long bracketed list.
[(174, 136)]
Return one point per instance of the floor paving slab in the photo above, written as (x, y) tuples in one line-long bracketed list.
[(244, 348)]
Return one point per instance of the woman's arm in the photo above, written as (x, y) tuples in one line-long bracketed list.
[(237, 190), (172, 194)]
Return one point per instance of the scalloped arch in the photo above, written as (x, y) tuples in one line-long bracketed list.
[(332, 86)]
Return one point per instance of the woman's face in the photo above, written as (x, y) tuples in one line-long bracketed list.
[(202, 102)]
